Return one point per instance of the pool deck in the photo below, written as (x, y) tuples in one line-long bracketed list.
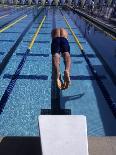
[(102, 145), (29, 145)]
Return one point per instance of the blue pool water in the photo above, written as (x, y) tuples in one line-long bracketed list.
[(31, 93)]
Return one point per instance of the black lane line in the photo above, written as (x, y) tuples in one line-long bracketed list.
[(2, 26), (14, 47), (11, 32), (41, 33), (27, 77), (56, 93), (45, 77), (85, 77), (80, 55), (39, 41), (2, 53), (33, 55), (12, 83), (7, 40), (101, 85)]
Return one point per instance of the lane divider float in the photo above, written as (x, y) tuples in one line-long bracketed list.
[(75, 37), (12, 24), (105, 93), (3, 16), (36, 34), (15, 76)]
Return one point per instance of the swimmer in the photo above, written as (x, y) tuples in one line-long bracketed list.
[(60, 46)]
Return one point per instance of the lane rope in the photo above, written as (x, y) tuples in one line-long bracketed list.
[(36, 34), (4, 16), (15, 76), (107, 97), (76, 39), (12, 24)]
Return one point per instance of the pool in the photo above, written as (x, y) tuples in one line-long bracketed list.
[(32, 92)]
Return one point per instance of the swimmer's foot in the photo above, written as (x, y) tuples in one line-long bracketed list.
[(67, 81), (59, 82)]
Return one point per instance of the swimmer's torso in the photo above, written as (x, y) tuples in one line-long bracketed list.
[(59, 32)]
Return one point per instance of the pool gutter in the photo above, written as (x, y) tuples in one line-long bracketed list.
[(105, 26)]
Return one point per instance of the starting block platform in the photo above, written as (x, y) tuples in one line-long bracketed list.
[(63, 134)]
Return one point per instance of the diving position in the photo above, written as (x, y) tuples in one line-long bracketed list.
[(60, 46)]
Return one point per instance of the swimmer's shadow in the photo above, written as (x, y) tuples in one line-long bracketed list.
[(59, 109), (70, 98), (74, 97)]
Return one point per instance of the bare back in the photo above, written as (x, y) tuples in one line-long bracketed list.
[(59, 32)]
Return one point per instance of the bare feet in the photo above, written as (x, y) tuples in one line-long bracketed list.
[(67, 81), (59, 82)]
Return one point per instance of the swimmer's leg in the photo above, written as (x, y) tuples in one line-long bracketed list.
[(56, 63), (67, 62)]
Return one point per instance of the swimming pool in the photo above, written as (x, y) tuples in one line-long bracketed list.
[(31, 93)]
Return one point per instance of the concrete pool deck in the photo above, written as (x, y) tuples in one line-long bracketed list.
[(28, 145)]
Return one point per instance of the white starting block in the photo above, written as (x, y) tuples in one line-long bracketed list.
[(63, 134)]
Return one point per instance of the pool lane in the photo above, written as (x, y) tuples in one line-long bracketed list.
[(13, 15), (5, 10), (3, 16), (106, 44), (9, 12), (93, 34), (11, 9), (84, 95), (9, 36), (32, 91)]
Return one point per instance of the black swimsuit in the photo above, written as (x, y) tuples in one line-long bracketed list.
[(60, 44)]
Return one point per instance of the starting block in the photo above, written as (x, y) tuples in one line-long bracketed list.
[(63, 134)]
